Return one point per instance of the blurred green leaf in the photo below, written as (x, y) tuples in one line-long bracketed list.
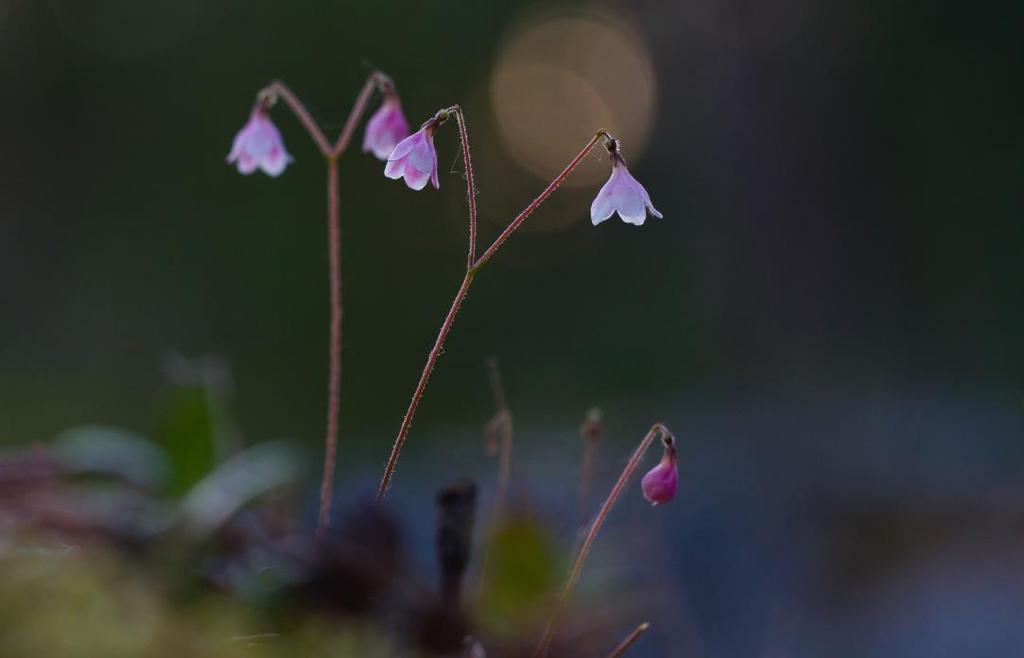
[(237, 482), (111, 451), (186, 431), (524, 566)]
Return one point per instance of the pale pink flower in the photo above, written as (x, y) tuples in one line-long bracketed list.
[(661, 482), (415, 159), (623, 194), (386, 128), (258, 145)]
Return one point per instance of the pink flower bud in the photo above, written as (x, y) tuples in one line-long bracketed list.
[(623, 194), (258, 145), (386, 128), (415, 159), (660, 483)]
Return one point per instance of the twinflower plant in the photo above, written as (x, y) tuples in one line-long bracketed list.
[(258, 145), (415, 160)]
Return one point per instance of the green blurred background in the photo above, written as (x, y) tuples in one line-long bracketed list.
[(841, 188), (837, 271), (126, 235)]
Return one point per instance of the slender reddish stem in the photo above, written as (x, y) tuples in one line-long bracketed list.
[(588, 542), (334, 235), (541, 198), (435, 352), (334, 375), (365, 94), (467, 160), (449, 320), (281, 90), (629, 640), (331, 154)]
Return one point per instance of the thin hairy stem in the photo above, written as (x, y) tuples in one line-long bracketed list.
[(467, 161), (356, 113), (656, 430), (435, 352), (541, 198), (278, 89), (630, 639), (449, 320), (334, 374)]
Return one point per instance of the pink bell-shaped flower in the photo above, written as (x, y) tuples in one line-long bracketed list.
[(386, 128), (415, 159), (622, 194), (258, 145), (660, 483)]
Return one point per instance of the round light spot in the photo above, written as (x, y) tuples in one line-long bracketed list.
[(559, 78)]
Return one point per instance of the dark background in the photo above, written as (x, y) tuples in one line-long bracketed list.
[(828, 315)]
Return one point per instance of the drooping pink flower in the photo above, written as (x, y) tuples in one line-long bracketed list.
[(258, 145), (415, 159), (623, 194), (386, 128), (660, 483)]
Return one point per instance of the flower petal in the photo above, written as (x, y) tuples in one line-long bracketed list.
[(395, 169), (647, 202), (632, 209), (385, 129), (405, 146), (247, 164), (275, 161), (423, 157), (238, 146), (414, 159), (415, 178), (373, 127), (623, 194), (603, 206), (630, 198)]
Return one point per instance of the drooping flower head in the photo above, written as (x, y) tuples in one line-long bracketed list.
[(622, 194), (414, 158), (660, 483), (258, 145), (387, 127)]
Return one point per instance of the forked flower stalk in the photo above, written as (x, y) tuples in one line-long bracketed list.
[(266, 99), (473, 266), (656, 430), (334, 257)]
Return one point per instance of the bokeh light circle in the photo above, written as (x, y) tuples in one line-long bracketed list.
[(560, 77)]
